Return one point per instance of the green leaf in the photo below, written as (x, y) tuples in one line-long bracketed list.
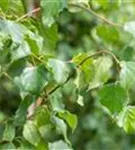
[(42, 146), (70, 118), (127, 74), (80, 100), (130, 27), (21, 51), (126, 119), (59, 145), (42, 117), (113, 96), (8, 146), (61, 127), (9, 132), (4, 4), (59, 69), (79, 58), (57, 102), (15, 30), (31, 134), (51, 10), (85, 72), (50, 37), (21, 113), (107, 34), (33, 79), (26, 145), (35, 43), (101, 71), (127, 53)]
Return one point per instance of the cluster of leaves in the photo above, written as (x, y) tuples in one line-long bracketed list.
[(29, 64)]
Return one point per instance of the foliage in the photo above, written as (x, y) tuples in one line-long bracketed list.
[(66, 70)]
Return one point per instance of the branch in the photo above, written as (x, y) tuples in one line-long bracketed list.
[(81, 63), (7, 75), (101, 52), (97, 15), (28, 14), (79, 6)]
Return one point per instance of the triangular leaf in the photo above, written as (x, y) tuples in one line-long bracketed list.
[(60, 70), (113, 96), (102, 73), (33, 79), (61, 127), (9, 132), (51, 10), (126, 119), (70, 118), (31, 134), (127, 74), (21, 51)]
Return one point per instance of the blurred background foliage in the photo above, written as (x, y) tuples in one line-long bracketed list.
[(78, 32)]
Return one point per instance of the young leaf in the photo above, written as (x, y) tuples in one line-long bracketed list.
[(9, 132), (42, 146), (127, 74), (51, 10), (113, 96), (31, 134), (70, 118), (59, 69), (126, 119), (85, 71), (102, 72), (42, 117)]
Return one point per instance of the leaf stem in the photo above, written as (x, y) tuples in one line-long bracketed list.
[(97, 15), (28, 14)]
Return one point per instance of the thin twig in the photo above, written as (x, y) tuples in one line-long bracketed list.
[(96, 15), (28, 14), (98, 53), (79, 6), (83, 61), (6, 75)]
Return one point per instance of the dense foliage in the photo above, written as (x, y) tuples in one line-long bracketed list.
[(67, 75)]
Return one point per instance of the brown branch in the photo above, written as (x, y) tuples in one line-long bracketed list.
[(98, 53), (28, 14), (96, 15), (79, 6)]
